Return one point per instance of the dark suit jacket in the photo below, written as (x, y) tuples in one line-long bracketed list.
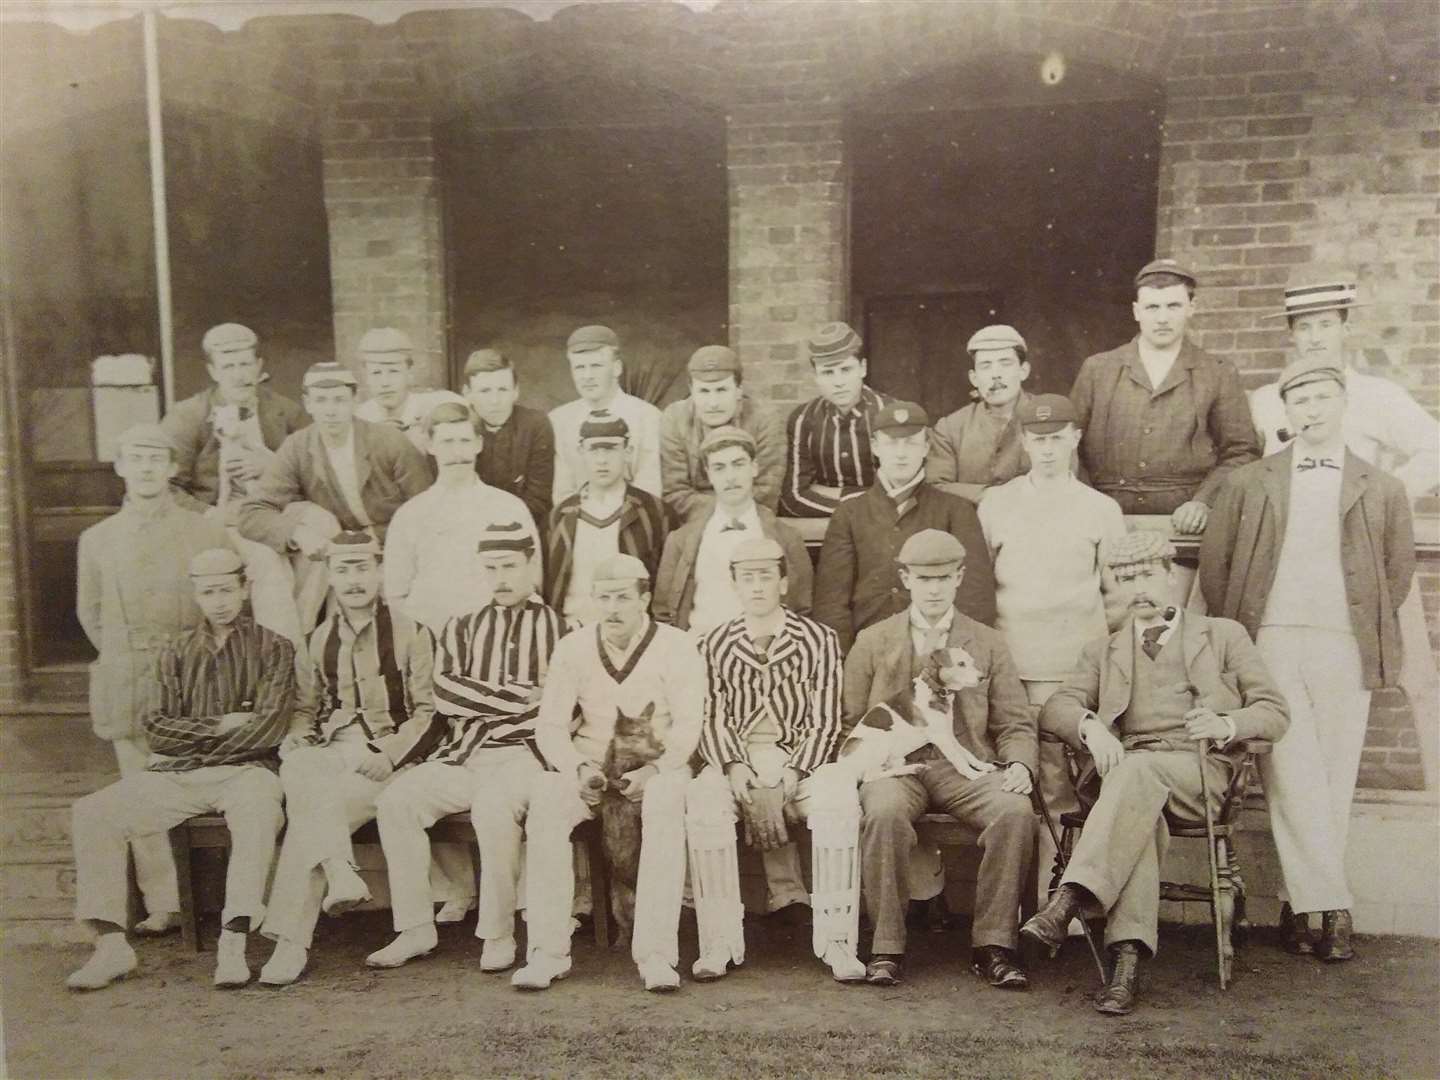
[(994, 720), (675, 585), (1241, 547), (858, 582), (1221, 662), (389, 469), (197, 450), (520, 459)]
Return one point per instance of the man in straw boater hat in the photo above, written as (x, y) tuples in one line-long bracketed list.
[(994, 726), (1138, 701), (387, 360), (1384, 426), (772, 722), (1312, 550), (625, 671), (225, 697), (131, 595), (827, 440), (369, 715), (490, 665), (1164, 422), (717, 400), (978, 447)]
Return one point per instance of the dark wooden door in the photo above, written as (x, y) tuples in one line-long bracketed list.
[(916, 346)]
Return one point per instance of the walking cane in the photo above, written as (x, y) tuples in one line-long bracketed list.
[(1214, 865), (1037, 800)]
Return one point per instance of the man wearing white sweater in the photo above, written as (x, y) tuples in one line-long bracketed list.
[(628, 665)]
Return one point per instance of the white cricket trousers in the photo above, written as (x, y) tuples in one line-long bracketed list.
[(1310, 775), (154, 864)]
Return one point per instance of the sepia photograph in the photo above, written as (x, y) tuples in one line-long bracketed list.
[(719, 538)]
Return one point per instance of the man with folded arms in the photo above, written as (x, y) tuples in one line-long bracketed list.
[(489, 667), (372, 714), (1139, 700), (225, 697)]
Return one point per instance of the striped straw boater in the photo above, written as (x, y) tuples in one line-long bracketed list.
[(1318, 288)]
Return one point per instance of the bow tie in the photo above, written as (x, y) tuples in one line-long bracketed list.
[(1308, 463), (733, 525)]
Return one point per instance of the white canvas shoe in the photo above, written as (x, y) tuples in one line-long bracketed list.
[(158, 923), (408, 945), (540, 971), (710, 968), (453, 911), (230, 967), (285, 965), (498, 954), (844, 965), (344, 889), (112, 960), (660, 977)]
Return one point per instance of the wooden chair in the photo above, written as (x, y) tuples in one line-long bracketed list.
[(945, 831), (209, 831), (1226, 896)]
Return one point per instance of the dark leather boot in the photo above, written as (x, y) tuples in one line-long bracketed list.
[(1051, 924), (1334, 943), (1295, 937), (1121, 992), (999, 967)]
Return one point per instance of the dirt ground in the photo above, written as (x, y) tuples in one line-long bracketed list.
[(778, 1015)]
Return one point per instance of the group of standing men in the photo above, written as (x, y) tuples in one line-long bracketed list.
[(480, 631)]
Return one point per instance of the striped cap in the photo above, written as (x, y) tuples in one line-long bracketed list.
[(506, 536), (352, 547), (1140, 546), (327, 374), (833, 341), (604, 425), (1318, 288)]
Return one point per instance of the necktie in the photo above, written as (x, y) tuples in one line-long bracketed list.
[(1150, 640), (1309, 463), (733, 525)]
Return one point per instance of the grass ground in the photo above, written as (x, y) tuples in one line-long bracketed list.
[(779, 1015)]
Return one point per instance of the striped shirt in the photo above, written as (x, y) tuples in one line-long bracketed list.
[(796, 686), (827, 448), (376, 676), (487, 664), (201, 677)]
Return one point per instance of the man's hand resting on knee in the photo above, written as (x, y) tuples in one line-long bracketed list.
[(1104, 747)]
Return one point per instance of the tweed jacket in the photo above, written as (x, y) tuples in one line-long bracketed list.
[(197, 449), (675, 584), (993, 720), (520, 459), (1242, 541), (1152, 451), (388, 467), (642, 534), (687, 488), (858, 582), (1221, 662)]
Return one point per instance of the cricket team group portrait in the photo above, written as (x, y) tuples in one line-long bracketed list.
[(395, 604)]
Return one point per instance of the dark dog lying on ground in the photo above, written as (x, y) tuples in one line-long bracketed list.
[(633, 746)]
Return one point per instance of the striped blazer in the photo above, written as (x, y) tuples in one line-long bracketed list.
[(378, 678), (642, 534), (488, 664), (798, 685), (827, 449)]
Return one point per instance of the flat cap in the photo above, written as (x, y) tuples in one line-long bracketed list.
[(620, 568), (327, 373), (833, 341), (485, 360), (146, 436), (727, 435), (1165, 266), (761, 550), (1304, 370), (998, 336), (711, 363), (213, 562), (506, 536), (1140, 546), (931, 547), (1045, 413), (1318, 288), (227, 338), (603, 424), (900, 418), (590, 338), (384, 343), (352, 546)]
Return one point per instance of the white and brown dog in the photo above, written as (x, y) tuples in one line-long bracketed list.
[(891, 731)]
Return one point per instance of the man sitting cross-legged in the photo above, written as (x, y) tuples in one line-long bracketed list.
[(992, 722), (1139, 701), (371, 669), (226, 692), (489, 667), (772, 719), (626, 667)]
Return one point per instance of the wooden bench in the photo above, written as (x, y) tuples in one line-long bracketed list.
[(209, 831)]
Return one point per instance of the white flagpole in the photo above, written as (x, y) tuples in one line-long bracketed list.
[(158, 205)]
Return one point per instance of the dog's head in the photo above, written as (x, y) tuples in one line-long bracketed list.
[(226, 419), (949, 669)]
